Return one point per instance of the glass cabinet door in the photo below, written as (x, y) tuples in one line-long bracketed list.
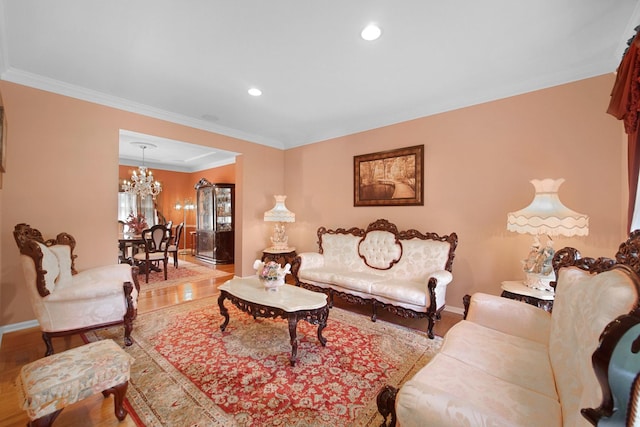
[(215, 229), (224, 213), (205, 209)]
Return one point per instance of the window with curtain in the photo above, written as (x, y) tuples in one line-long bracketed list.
[(128, 203)]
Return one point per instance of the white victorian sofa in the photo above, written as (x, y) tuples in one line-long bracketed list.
[(404, 272), (512, 364), (66, 301)]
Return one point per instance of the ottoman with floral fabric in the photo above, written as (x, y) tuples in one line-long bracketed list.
[(48, 385)]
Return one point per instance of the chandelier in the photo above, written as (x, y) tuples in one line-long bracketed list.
[(142, 183)]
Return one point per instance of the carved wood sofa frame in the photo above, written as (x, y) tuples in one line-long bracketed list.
[(627, 258), (432, 313), (27, 239)]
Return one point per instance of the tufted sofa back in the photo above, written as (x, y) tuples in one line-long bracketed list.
[(381, 249)]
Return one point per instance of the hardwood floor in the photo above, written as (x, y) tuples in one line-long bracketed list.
[(22, 347)]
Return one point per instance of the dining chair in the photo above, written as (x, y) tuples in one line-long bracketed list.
[(174, 244), (156, 243)]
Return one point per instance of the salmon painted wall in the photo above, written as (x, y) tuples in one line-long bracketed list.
[(62, 174), (63, 169), (478, 164), (178, 187)]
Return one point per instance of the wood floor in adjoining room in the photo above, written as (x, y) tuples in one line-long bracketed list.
[(22, 347)]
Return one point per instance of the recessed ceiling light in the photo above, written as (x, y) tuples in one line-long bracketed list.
[(254, 91), (371, 32)]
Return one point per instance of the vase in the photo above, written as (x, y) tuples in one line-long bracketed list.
[(272, 285)]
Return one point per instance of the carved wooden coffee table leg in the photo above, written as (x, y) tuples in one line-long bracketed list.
[(223, 310), (293, 325), (322, 323)]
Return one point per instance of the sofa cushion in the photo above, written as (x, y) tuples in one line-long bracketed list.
[(511, 358), (360, 281), (318, 275), (353, 280), (448, 391), (583, 306), (405, 291), (86, 285)]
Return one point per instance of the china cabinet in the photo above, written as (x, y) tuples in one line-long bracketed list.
[(215, 222)]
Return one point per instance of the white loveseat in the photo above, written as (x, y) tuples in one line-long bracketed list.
[(66, 301), (512, 364), (405, 272)]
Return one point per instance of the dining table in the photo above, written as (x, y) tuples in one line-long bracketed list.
[(126, 240)]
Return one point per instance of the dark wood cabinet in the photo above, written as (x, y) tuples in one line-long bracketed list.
[(215, 222)]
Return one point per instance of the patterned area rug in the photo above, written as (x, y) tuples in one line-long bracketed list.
[(187, 372), (186, 272)]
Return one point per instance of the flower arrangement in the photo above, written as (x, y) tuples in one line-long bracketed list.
[(271, 273), (136, 223)]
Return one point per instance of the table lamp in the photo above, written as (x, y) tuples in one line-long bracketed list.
[(279, 215), (546, 215)]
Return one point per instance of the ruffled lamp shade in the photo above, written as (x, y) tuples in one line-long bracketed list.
[(545, 215)]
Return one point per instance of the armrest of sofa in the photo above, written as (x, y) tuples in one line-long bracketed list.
[(443, 277), (439, 292), (510, 316), (311, 260)]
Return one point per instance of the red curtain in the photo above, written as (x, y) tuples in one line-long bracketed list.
[(625, 105)]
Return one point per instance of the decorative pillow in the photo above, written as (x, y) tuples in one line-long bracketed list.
[(50, 266), (63, 254)]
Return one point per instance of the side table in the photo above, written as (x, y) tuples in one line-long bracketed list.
[(279, 256), (517, 290)]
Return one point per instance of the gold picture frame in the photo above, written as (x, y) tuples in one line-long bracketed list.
[(389, 178)]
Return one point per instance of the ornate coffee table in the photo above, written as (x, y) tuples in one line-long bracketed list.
[(288, 302)]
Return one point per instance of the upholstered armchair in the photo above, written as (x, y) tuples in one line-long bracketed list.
[(66, 301)]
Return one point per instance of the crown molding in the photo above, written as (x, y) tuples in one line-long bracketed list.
[(51, 85)]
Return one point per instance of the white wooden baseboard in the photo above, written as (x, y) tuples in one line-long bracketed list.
[(17, 327), (456, 310)]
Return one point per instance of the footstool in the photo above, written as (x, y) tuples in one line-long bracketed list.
[(48, 385)]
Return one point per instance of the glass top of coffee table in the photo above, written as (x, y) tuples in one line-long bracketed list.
[(286, 297)]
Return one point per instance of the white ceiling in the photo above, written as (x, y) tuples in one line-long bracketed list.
[(192, 61)]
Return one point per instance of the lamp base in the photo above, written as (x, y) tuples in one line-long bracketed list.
[(540, 281)]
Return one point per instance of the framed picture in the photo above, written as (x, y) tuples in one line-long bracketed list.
[(3, 141), (389, 178)]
